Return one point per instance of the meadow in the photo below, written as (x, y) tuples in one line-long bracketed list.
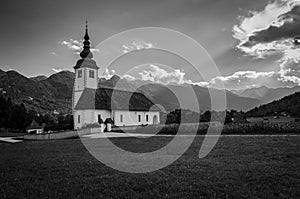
[(238, 167), (255, 128)]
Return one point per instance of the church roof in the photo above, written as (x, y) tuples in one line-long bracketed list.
[(86, 62), (112, 99)]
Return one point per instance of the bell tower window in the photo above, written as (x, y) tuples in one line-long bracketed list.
[(79, 74), (91, 74)]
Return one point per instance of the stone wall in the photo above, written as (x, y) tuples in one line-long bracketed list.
[(61, 135)]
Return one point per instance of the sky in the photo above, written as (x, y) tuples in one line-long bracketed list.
[(251, 42)]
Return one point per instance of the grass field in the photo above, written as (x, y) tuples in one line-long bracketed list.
[(238, 167)]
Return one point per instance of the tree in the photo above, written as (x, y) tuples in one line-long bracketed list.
[(206, 117), (18, 117), (5, 111)]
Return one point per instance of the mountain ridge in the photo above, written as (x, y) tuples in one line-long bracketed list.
[(265, 94), (55, 92), (289, 105)]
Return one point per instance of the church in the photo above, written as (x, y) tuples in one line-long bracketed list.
[(91, 104)]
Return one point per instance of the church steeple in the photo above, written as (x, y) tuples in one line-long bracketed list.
[(86, 44), (86, 54), (86, 36)]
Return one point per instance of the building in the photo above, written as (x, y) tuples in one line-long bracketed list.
[(92, 104), (34, 128)]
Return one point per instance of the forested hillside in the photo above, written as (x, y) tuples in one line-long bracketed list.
[(289, 105)]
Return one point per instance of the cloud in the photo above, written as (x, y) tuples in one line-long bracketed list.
[(156, 74), (242, 80), (272, 31), (159, 75), (108, 73), (136, 46), (76, 46), (274, 17), (239, 80), (53, 53), (253, 79), (269, 31), (57, 70), (128, 77)]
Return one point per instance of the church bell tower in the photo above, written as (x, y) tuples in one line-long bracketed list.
[(86, 70)]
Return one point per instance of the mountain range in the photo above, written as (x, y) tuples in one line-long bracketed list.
[(46, 94), (167, 95), (265, 94)]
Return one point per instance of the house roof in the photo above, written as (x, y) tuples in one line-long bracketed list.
[(112, 99), (33, 125)]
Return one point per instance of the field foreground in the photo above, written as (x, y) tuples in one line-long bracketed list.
[(238, 167)]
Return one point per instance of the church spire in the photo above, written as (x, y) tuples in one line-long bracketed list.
[(86, 36), (86, 53)]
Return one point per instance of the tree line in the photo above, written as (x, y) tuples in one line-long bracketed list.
[(186, 116), (16, 117)]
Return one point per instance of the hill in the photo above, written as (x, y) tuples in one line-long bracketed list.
[(289, 105), (53, 93), (38, 78)]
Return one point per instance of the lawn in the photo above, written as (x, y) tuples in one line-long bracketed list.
[(238, 167)]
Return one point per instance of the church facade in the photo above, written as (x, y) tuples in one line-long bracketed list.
[(92, 104)]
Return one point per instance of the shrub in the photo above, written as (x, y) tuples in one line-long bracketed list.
[(59, 127), (109, 121)]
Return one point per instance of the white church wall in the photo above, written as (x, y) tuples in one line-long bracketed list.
[(91, 82), (103, 113), (79, 81), (77, 120), (131, 118), (89, 117), (153, 114)]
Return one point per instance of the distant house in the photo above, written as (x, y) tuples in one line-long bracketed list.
[(34, 128), (92, 104)]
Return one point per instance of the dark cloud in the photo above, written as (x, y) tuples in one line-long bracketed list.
[(290, 29)]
